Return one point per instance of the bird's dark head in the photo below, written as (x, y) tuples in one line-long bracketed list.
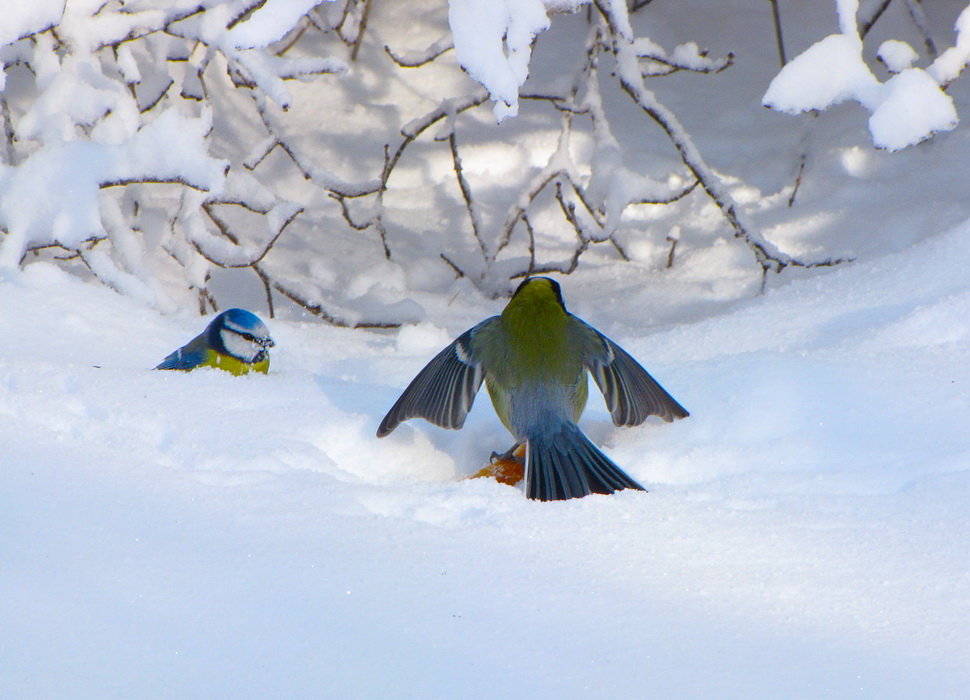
[(538, 290)]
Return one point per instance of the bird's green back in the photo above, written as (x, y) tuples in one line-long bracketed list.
[(536, 327), (533, 342)]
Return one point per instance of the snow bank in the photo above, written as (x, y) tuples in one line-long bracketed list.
[(803, 534)]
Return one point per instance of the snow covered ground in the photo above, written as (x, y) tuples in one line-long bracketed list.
[(805, 532)]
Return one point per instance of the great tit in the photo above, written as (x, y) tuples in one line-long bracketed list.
[(235, 341), (534, 358)]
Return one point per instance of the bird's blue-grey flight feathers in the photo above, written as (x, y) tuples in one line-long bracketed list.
[(189, 356), (443, 392), (562, 463), (631, 393)]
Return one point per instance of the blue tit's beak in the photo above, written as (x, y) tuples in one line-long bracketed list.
[(265, 342)]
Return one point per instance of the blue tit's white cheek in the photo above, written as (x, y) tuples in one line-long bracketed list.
[(238, 346)]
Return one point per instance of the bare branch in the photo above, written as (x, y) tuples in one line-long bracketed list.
[(519, 210), (10, 152), (361, 29), (453, 265), (267, 288), (672, 197), (436, 49), (674, 66), (328, 181), (560, 102), (466, 193), (245, 13), (149, 180), (293, 38), (319, 311), (866, 23), (345, 210), (915, 10), (224, 230), (673, 247), (410, 132), (779, 38), (803, 158), (532, 244)]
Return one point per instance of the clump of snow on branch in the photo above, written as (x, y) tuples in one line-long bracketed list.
[(21, 19), (949, 64), (906, 109), (897, 55), (52, 197), (493, 41)]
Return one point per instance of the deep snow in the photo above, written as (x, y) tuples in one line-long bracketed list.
[(805, 531)]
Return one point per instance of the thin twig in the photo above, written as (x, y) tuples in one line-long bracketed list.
[(361, 28), (268, 289), (293, 36), (670, 198), (779, 38), (466, 193), (8, 132), (673, 66), (453, 265), (345, 210), (519, 210), (318, 310), (149, 180), (436, 49), (532, 244), (224, 229), (670, 254), (798, 178), (866, 23), (915, 10), (411, 132)]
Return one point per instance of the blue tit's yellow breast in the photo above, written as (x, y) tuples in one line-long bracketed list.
[(232, 364)]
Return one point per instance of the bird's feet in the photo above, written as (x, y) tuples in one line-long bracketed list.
[(507, 468)]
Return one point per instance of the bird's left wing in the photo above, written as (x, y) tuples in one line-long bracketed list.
[(631, 393), (443, 392), (189, 356)]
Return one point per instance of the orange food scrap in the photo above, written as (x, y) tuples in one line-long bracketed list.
[(505, 469)]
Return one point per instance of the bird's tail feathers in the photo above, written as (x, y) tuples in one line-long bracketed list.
[(563, 463)]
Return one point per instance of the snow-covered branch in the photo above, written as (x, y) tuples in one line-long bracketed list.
[(910, 107), (343, 154), (120, 112)]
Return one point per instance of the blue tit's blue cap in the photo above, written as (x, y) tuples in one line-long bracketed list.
[(243, 321)]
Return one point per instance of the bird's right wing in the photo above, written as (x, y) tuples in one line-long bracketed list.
[(189, 356), (631, 393), (443, 392)]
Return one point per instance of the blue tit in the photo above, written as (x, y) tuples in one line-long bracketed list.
[(235, 341), (534, 358)]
